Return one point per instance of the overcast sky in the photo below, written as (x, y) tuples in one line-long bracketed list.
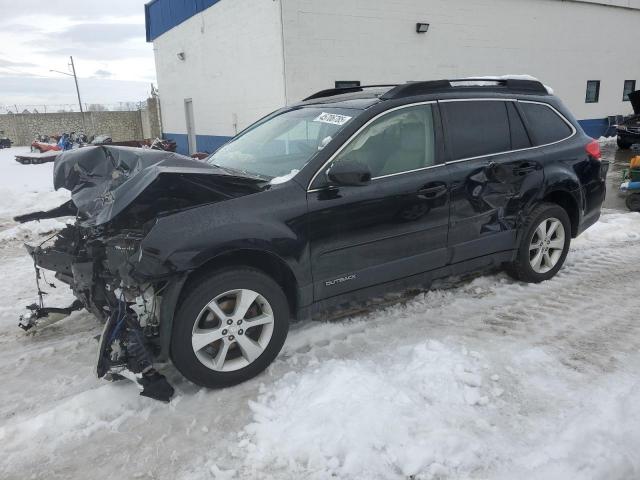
[(106, 38)]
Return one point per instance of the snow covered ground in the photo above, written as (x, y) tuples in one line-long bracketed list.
[(487, 379)]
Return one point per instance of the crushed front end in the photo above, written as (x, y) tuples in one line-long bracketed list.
[(99, 267), (118, 194)]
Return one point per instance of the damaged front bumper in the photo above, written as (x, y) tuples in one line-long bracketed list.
[(102, 271)]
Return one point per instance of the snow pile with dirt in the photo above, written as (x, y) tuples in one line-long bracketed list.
[(483, 379)]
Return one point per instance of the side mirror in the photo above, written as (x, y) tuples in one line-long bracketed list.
[(349, 173)]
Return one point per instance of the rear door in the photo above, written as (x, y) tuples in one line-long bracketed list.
[(494, 174), (394, 227)]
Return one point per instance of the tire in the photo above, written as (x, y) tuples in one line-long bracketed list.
[(633, 202), (222, 290), (622, 145), (524, 267)]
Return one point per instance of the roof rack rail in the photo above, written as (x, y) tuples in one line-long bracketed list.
[(330, 92), (513, 85)]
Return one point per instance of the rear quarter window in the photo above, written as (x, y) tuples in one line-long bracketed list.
[(545, 125)]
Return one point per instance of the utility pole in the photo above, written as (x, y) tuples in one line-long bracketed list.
[(75, 78)]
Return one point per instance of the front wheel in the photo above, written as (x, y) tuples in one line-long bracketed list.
[(544, 244), (229, 327)]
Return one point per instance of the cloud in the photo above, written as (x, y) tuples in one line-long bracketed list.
[(106, 40), (95, 41), (83, 10), (99, 33), (27, 92), (102, 73), (9, 63)]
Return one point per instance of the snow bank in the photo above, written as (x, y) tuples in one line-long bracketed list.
[(612, 227), (377, 418)]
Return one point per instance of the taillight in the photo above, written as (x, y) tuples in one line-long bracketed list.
[(593, 150)]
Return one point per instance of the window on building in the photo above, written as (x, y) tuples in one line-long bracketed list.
[(347, 83), (544, 124), (593, 91), (397, 142), (629, 86), (477, 128)]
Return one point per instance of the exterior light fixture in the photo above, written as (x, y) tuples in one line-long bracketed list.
[(422, 27), (181, 56)]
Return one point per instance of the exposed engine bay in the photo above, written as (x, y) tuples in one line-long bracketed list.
[(118, 194)]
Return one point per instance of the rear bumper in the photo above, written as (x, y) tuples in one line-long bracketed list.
[(597, 190)]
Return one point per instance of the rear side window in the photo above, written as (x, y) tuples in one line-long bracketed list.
[(477, 128), (544, 124)]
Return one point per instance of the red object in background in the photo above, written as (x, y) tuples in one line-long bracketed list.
[(44, 147)]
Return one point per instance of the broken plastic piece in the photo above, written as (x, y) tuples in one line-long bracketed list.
[(156, 386), (26, 322)]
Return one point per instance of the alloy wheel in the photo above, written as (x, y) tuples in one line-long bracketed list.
[(232, 330), (546, 245)]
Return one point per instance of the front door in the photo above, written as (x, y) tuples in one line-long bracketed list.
[(494, 175), (393, 227)]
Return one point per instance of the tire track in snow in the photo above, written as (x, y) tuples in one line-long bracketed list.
[(567, 320)]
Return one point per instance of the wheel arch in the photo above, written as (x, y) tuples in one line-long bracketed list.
[(267, 262), (568, 202)]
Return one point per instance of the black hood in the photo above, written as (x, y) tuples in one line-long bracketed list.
[(634, 98), (106, 180)]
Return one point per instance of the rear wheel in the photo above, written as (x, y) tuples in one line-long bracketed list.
[(543, 246), (633, 202), (229, 327), (622, 145)]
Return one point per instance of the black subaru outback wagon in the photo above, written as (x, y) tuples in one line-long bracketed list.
[(348, 194)]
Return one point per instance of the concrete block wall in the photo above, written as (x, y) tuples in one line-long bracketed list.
[(24, 127), (150, 117)]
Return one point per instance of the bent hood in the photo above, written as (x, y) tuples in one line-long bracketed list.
[(105, 180)]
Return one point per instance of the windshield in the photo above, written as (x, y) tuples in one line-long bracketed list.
[(278, 147)]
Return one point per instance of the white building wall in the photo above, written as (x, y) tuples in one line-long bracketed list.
[(238, 55), (564, 43), (232, 68)]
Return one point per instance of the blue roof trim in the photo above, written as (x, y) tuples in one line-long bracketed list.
[(162, 15)]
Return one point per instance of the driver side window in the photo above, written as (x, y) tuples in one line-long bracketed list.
[(400, 141)]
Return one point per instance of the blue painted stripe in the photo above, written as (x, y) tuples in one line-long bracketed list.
[(210, 143), (204, 143), (182, 142), (162, 15), (596, 127)]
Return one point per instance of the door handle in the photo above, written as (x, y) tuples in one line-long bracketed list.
[(432, 191), (523, 170)]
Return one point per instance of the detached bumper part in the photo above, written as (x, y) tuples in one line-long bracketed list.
[(154, 385), (123, 352), (37, 313)]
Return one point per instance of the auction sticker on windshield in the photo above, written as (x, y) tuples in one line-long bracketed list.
[(332, 118)]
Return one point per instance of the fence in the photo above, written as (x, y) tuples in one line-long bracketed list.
[(71, 107), (134, 124)]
